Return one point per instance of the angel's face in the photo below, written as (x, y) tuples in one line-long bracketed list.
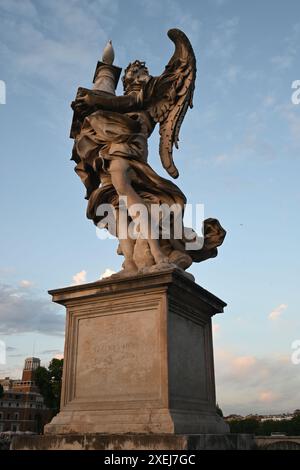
[(135, 75)]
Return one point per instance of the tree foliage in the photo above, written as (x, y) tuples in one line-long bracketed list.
[(290, 427), (219, 411), (49, 383)]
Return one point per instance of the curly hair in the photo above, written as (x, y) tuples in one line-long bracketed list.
[(136, 63)]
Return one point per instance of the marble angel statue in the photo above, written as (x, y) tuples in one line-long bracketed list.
[(111, 153)]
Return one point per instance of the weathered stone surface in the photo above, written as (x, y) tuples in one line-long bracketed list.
[(138, 357), (278, 442), (135, 442)]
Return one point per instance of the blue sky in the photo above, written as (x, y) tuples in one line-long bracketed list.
[(239, 156)]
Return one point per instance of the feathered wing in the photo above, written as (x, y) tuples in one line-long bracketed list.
[(170, 95)]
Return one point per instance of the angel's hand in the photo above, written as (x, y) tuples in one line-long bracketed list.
[(87, 100)]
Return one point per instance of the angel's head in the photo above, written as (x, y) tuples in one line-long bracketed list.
[(135, 75)]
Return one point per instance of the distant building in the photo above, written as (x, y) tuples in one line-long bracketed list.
[(22, 407), (233, 417), (27, 383), (6, 383), (280, 417), (262, 418)]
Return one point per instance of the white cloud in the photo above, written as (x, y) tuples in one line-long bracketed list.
[(282, 61), (293, 120), (250, 146), (11, 371), (219, 3), (61, 48), (25, 283), (269, 101), (25, 8), (107, 273), (223, 41), (232, 73), (290, 49), (277, 312), (80, 278), (50, 351), (221, 158)]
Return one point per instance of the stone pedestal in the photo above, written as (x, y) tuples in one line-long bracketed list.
[(112, 442), (138, 357)]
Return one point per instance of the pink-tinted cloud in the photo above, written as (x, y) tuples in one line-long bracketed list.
[(252, 384), (277, 312), (242, 364), (79, 278), (267, 396)]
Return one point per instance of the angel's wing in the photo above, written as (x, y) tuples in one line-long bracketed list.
[(170, 95)]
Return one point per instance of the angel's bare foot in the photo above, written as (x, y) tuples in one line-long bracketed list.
[(162, 259), (164, 265), (130, 267), (145, 269), (158, 255)]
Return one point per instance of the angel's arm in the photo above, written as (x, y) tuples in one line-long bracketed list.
[(91, 100)]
